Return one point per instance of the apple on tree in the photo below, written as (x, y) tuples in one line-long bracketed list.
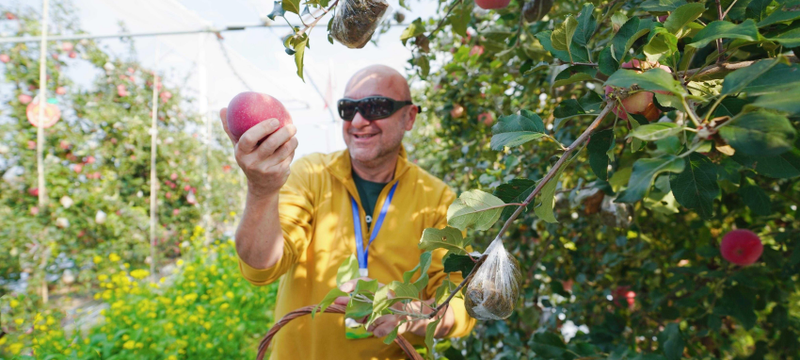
[(5, 58), (492, 4), (640, 102), (741, 247), (250, 108), (457, 111), (486, 118), (24, 99)]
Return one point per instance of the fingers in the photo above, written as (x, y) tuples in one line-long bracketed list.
[(383, 325), (342, 300), (278, 153), (249, 141), (223, 116)]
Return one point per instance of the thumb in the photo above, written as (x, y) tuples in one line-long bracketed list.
[(223, 116)]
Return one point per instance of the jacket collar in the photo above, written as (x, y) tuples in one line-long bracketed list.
[(341, 167)]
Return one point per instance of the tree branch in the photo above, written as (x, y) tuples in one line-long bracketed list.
[(444, 18), (728, 67), (314, 23)]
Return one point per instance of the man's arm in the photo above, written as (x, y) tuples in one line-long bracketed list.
[(264, 155)]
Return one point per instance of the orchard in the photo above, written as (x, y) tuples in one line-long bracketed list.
[(627, 179)]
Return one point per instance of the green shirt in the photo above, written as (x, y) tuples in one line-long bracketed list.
[(368, 191)]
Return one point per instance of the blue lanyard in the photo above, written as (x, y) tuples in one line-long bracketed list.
[(363, 254)]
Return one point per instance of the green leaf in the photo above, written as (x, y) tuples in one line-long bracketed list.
[(430, 330), (656, 131), (788, 38), (788, 101), (784, 166), (673, 343), (653, 79), (548, 345), (329, 298), (575, 74), (454, 262), (696, 187), (299, 50), (277, 10), (562, 35), (444, 290), (599, 144), (781, 14), (606, 63), (461, 17), (422, 267), (725, 30), (448, 238), (661, 45), (739, 302), (424, 66), (347, 271), (662, 5), (515, 191), (576, 53), (415, 28), (474, 208), (644, 172), (547, 198), (627, 35), (780, 78), (739, 79), (682, 16), (756, 199), (291, 6), (517, 129), (391, 336), (586, 25), (759, 133)]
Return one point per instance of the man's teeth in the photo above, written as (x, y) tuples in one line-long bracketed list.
[(364, 136)]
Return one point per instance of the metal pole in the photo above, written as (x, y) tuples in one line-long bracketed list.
[(40, 128), (202, 76), (153, 178)]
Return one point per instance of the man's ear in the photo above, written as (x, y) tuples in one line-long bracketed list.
[(412, 117)]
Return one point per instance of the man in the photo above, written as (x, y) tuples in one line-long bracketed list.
[(300, 224)]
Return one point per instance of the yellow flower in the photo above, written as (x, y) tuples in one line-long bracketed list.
[(179, 262), (140, 274), (15, 348), (18, 321), (86, 341), (172, 357), (209, 345), (129, 344), (14, 303), (229, 294), (102, 277), (114, 257), (232, 214)]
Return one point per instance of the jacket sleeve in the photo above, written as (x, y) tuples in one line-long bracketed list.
[(463, 322), (295, 211)]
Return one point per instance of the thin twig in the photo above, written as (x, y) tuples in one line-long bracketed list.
[(719, 41), (441, 22), (458, 288), (729, 9), (728, 67), (314, 23), (556, 167)]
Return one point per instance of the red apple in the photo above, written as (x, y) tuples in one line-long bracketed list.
[(741, 247), (250, 108), (31, 144), (173, 176), (64, 144), (486, 118), (5, 58), (492, 4), (67, 46), (175, 212), (24, 99), (34, 210), (33, 191), (61, 90), (78, 168), (165, 96), (121, 90), (89, 159), (73, 54), (10, 16), (55, 56), (168, 195), (457, 111), (226, 168), (640, 103), (662, 18), (130, 70)]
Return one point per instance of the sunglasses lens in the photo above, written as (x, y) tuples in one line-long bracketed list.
[(347, 109), (376, 108)]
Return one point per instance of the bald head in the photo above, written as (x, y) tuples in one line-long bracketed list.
[(390, 82)]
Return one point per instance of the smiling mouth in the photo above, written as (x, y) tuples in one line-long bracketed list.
[(365, 136)]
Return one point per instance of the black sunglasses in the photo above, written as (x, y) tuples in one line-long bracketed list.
[(371, 108)]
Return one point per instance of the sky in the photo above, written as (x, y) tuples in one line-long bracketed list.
[(255, 54)]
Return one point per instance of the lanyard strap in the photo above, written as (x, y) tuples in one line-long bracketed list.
[(362, 254)]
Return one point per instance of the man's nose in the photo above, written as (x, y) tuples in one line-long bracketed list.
[(359, 121)]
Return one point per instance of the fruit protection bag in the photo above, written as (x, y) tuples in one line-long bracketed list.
[(356, 20), (494, 289)]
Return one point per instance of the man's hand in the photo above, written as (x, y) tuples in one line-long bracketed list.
[(264, 154)]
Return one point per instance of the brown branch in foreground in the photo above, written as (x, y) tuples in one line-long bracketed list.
[(550, 174), (727, 67), (444, 18), (719, 41)]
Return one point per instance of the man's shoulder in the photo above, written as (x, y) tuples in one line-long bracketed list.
[(314, 162)]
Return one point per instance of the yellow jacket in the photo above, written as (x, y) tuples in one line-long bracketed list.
[(317, 222)]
